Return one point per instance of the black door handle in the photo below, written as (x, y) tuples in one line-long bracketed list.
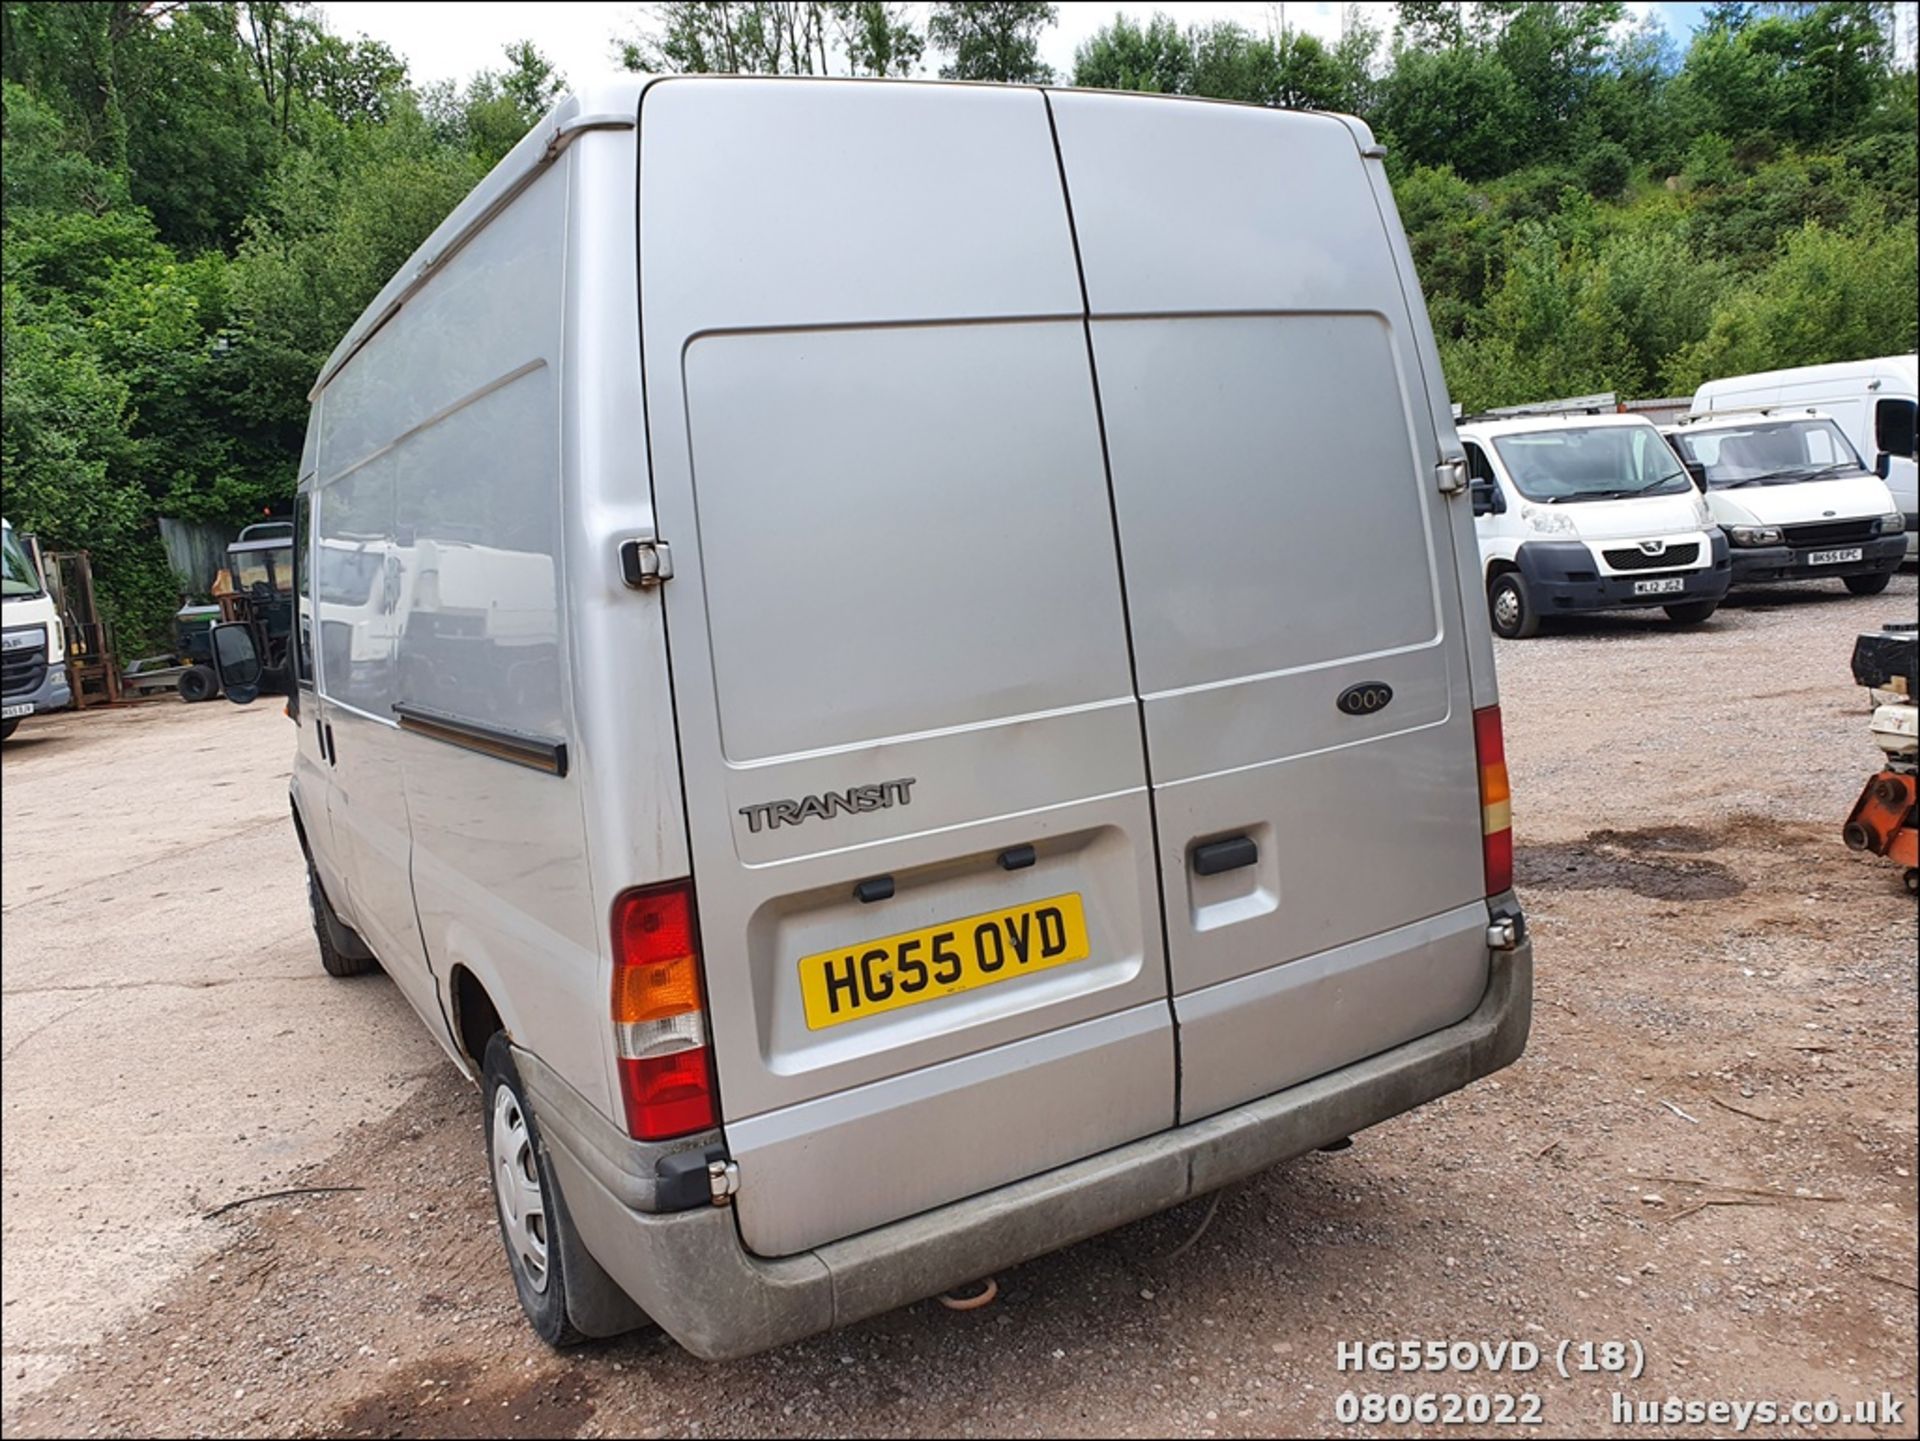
[(333, 755), (1227, 855)]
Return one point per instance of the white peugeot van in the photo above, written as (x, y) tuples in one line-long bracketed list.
[(1872, 401), (1585, 513), (1006, 740), (1794, 499), (33, 653)]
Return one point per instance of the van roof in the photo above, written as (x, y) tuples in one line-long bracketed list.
[(1882, 367), (613, 103), (1724, 419), (1524, 424)]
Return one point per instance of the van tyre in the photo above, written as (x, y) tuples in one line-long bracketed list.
[(7, 728), (337, 961), (565, 1294), (1692, 612), (1869, 584), (1510, 609), (198, 683)]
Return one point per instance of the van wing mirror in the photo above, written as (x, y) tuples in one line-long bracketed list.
[(1883, 464), (1486, 499), (236, 660)]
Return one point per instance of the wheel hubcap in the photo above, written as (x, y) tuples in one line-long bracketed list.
[(1506, 608), (516, 1187)]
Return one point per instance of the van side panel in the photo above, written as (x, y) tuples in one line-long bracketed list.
[(628, 757), (442, 439), (877, 458), (1272, 450)]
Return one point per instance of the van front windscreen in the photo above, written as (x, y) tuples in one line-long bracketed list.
[(1610, 462), (19, 579), (1767, 452)]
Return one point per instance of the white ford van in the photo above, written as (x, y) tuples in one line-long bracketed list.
[(33, 654), (1872, 401), (1793, 497), (998, 734), (1585, 513)]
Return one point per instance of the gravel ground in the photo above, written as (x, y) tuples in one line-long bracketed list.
[(1708, 1149)]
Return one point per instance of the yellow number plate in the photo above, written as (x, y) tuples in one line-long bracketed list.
[(874, 976)]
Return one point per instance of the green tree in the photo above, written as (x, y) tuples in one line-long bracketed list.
[(1156, 57), (1458, 107), (878, 38), (1805, 72), (743, 37), (992, 39)]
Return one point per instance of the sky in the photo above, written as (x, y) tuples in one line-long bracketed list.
[(451, 42)]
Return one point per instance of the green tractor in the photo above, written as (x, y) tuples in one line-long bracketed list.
[(256, 589)]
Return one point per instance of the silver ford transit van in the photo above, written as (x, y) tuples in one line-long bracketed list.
[(899, 671)]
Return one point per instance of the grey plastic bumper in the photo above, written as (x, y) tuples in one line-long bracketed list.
[(690, 1273), (53, 692), (1761, 564), (1561, 578)]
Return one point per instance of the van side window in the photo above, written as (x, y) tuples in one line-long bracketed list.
[(303, 589), (359, 574), (1893, 427), (1478, 466)]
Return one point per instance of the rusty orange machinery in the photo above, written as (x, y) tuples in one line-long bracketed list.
[(1883, 822)]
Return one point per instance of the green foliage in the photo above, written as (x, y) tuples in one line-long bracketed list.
[(199, 199), (992, 39), (745, 37), (1829, 296), (1225, 61)]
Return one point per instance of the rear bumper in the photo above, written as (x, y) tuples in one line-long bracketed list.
[(1774, 563), (1563, 577), (689, 1271)]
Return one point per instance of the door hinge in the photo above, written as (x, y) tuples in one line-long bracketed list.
[(645, 563), (1451, 475), (723, 1179)]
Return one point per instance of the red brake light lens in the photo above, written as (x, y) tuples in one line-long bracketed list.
[(1496, 800), (660, 1031)]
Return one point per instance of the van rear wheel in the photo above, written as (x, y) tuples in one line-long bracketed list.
[(1692, 612), (565, 1294), (1511, 611), (1869, 584)]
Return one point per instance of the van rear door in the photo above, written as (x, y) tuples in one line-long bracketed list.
[(1291, 577), (914, 769)]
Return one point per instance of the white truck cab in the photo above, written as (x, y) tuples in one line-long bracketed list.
[(33, 658), (827, 704), (1579, 513), (1872, 401), (1794, 498)]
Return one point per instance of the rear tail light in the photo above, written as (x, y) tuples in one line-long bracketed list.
[(1496, 800), (659, 1023)]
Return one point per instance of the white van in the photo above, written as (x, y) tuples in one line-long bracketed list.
[(1585, 513), (33, 653), (1008, 741), (1872, 401), (1795, 500)]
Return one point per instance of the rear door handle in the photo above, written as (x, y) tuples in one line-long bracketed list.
[(333, 755), (1228, 855)]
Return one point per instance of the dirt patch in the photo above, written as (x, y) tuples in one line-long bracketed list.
[(1605, 863), (428, 1400), (1730, 1017)]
